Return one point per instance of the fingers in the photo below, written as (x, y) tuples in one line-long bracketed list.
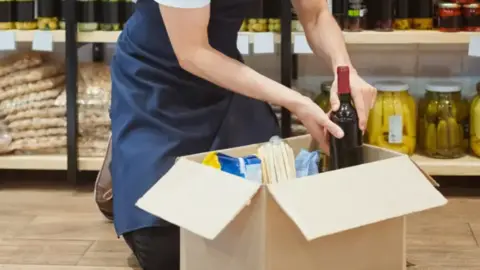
[(360, 106), (334, 101), (330, 126)]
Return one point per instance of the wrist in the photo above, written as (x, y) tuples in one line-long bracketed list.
[(296, 101)]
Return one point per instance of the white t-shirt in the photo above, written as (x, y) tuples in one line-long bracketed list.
[(183, 3)]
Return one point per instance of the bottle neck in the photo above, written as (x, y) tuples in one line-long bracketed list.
[(345, 98)]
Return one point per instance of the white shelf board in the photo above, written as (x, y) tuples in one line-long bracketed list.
[(47, 162), (464, 166), (365, 37)]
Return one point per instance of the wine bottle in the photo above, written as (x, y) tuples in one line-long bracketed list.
[(347, 151)]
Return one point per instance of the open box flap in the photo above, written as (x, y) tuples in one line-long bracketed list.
[(340, 200), (198, 198)]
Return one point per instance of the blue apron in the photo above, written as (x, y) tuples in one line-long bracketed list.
[(160, 112)]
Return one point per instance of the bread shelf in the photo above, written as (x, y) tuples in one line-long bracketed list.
[(365, 37), (466, 166)]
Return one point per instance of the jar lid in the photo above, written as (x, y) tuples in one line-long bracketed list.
[(391, 86), (443, 87), (326, 86), (448, 5)]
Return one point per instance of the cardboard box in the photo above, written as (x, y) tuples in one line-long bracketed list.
[(350, 219)]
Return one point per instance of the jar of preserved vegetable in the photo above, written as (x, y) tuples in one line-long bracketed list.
[(449, 17), (62, 15), (471, 17), (296, 25), (402, 16), (323, 99), (356, 19), (338, 12), (392, 121), (422, 14), (86, 15), (47, 18), (475, 123), (110, 20), (381, 15), (442, 112), (7, 15), (25, 15)]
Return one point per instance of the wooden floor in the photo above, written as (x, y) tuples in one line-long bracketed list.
[(47, 225)]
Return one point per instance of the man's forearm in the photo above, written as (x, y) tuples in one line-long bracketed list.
[(326, 39)]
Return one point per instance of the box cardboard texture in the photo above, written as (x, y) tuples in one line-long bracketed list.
[(349, 219)]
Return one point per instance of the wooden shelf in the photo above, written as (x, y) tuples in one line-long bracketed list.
[(465, 166), (47, 162)]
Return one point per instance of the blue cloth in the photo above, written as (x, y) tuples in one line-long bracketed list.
[(306, 163), (159, 111)]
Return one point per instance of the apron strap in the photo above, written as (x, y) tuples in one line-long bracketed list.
[(103, 185)]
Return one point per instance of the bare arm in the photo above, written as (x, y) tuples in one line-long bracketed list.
[(322, 32), (190, 42)]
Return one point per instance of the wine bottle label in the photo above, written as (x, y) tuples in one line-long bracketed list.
[(395, 129)]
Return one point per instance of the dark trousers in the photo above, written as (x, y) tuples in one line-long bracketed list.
[(156, 248)]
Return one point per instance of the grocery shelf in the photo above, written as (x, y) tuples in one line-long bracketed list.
[(365, 37), (465, 166), (47, 162)]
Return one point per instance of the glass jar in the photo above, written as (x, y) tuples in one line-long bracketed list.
[(449, 17), (110, 20), (471, 17), (442, 128), (383, 15), (6, 15), (47, 18), (475, 123), (87, 15), (128, 8), (422, 17), (323, 99), (392, 121), (402, 16), (356, 19), (25, 15)]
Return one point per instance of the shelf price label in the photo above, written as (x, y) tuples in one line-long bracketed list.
[(243, 44), (7, 41), (300, 45), (263, 43), (474, 46), (42, 41)]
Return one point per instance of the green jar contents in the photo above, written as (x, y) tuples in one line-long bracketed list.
[(7, 15), (323, 99), (110, 20), (47, 18), (443, 121), (25, 15), (274, 25), (86, 15), (257, 25), (475, 123)]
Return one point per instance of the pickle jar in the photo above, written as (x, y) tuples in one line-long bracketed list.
[(402, 16), (7, 15), (110, 20), (86, 15), (323, 99), (274, 25), (257, 25), (422, 14), (47, 18), (392, 121), (442, 125), (475, 123), (25, 15), (62, 15)]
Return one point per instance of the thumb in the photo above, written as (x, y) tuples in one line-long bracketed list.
[(334, 101)]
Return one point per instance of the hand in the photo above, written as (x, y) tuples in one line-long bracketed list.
[(317, 123), (363, 95)]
